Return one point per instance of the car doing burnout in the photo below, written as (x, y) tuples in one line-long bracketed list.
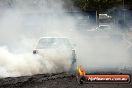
[(61, 47)]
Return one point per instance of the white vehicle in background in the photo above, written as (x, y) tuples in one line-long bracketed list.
[(105, 19), (104, 28), (60, 46), (104, 16)]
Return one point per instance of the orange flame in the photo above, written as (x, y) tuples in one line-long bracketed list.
[(81, 71)]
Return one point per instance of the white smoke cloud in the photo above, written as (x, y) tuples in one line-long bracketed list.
[(23, 22), (20, 28), (28, 64)]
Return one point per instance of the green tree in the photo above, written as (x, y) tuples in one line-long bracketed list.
[(99, 5)]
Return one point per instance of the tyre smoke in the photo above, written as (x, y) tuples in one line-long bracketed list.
[(23, 22)]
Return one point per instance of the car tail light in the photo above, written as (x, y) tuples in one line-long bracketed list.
[(35, 51)]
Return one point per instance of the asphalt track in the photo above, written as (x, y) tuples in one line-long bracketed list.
[(61, 80)]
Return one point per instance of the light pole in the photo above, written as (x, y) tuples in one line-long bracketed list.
[(123, 4)]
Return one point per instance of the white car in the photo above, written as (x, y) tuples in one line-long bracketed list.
[(57, 47), (104, 28)]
